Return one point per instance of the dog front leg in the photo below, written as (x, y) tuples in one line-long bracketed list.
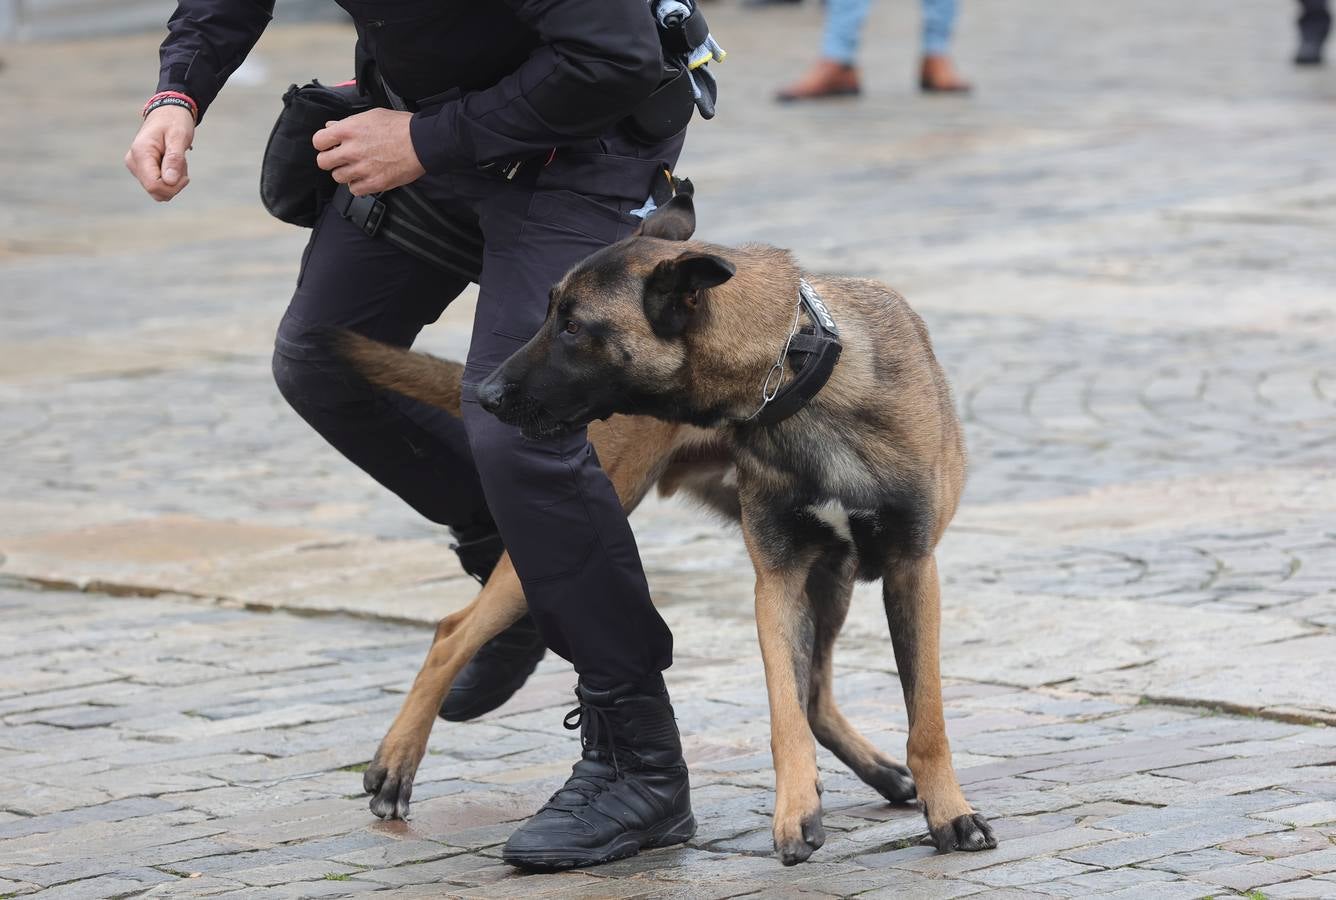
[(786, 632), (389, 778), (912, 598)]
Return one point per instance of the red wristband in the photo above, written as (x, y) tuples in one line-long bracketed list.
[(163, 95)]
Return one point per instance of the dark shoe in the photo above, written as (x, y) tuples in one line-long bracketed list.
[(1309, 52), (629, 791), (505, 662), (496, 672), (938, 76), (479, 549), (824, 80)]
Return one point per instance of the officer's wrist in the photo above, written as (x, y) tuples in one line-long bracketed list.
[(172, 98)]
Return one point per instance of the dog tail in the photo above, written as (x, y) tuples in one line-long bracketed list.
[(418, 376)]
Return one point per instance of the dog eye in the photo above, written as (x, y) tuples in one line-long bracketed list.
[(572, 327)]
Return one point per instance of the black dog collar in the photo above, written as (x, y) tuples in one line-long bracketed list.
[(812, 350)]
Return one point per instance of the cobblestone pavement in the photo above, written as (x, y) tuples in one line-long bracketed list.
[(1121, 244)]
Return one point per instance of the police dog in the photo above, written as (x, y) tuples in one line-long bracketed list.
[(661, 345)]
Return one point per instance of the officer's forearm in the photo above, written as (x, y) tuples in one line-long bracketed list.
[(206, 41)]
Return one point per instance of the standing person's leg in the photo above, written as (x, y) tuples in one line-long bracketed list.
[(936, 73), (1314, 26), (567, 534), (557, 511), (835, 74)]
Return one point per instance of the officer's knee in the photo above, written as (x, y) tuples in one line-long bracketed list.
[(314, 386), (295, 378)]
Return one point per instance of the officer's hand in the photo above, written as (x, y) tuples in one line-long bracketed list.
[(157, 155), (370, 152)]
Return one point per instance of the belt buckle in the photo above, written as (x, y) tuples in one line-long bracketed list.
[(366, 213)]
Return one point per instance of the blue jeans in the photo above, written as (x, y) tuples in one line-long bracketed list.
[(844, 25)]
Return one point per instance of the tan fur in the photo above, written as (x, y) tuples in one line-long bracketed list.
[(889, 411), (428, 379)]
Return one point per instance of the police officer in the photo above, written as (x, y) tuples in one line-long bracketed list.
[(547, 84)]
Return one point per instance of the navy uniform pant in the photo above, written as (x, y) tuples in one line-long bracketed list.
[(555, 508)]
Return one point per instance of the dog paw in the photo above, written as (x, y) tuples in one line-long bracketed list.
[(390, 782), (969, 832), (893, 781), (798, 838)]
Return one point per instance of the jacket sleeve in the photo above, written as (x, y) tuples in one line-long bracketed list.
[(596, 61), (206, 41)]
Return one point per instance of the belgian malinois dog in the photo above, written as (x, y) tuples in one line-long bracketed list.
[(662, 346)]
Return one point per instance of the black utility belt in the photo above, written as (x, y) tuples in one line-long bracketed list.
[(296, 190)]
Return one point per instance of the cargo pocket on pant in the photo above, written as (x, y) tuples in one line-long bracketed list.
[(563, 541)]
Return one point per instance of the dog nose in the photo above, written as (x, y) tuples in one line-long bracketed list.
[(490, 393)]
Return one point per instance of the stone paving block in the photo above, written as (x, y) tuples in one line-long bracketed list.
[(44, 799), (395, 853), (110, 885), (1318, 862), (448, 869), (224, 864), (1008, 851), (199, 886), (284, 873), (1167, 890), (477, 838), (1283, 843), (1318, 813), (1214, 808), (906, 885), (1188, 837), (1317, 888), (1246, 877), (11, 887), (1028, 871), (1106, 881), (689, 864), (1193, 861), (116, 810)]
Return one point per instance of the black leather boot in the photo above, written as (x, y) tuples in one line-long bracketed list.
[(628, 792), (505, 662)]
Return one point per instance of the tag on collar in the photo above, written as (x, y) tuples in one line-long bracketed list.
[(815, 308)]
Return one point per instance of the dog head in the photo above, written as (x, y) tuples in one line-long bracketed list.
[(615, 339)]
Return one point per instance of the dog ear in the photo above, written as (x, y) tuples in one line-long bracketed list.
[(673, 289), (674, 221)]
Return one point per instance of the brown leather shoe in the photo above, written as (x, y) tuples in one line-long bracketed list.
[(938, 76), (824, 80)]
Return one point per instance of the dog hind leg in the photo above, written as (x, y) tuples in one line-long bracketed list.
[(912, 598), (829, 589)]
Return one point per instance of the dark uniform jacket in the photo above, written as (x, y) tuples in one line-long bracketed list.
[(520, 76)]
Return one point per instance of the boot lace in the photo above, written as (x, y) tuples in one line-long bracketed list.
[(590, 777)]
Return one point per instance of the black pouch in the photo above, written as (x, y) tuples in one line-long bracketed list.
[(292, 187), (665, 112)]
